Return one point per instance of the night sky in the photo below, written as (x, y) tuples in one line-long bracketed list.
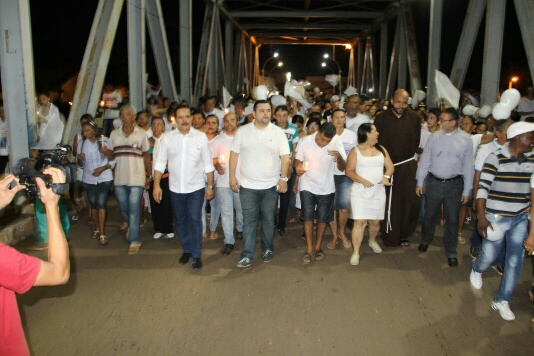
[(61, 28)]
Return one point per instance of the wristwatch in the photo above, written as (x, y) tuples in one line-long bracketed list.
[(284, 179), (209, 187), (385, 176)]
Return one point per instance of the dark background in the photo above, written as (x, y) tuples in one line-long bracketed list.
[(60, 30)]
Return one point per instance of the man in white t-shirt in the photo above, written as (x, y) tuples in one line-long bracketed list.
[(354, 117), (314, 163), (112, 100), (263, 151), (525, 108)]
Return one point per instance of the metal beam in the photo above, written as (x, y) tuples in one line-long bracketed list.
[(359, 69), (303, 26), (525, 16), (307, 13), (411, 48), (434, 51), (228, 55), (303, 41), (18, 86), (491, 66), (313, 34), (186, 54), (383, 60), (473, 17), (403, 60), (135, 10), (200, 79), (162, 56), (394, 63)]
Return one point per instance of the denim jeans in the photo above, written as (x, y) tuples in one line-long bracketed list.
[(229, 201), (186, 208), (476, 241), (449, 194), (516, 228), (129, 199), (257, 203), (215, 213)]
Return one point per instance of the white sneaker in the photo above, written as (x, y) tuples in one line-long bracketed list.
[(157, 235), (170, 236), (504, 309), (355, 259), (375, 247), (476, 279)]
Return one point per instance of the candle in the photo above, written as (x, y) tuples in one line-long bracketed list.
[(102, 103), (221, 160), (306, 166)]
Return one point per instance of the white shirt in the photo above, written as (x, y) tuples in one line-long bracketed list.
[(260, 152), (188, 158), (525, 105), (319, 179), (221, 149), (156, 149), (94, 159), (349, 141), (354, 123), (111, 103), (484, 152)]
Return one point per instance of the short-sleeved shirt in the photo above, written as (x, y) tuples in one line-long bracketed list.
[(484, 152), (129, 151), (260, 152), (349, 141), (525, 105), (292, 134), (18, 273), (221, 149)]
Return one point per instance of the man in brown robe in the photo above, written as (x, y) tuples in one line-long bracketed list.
[(399, 132)]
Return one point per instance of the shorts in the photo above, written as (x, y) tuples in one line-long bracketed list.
[(324, 204), (98, 194), (343, 188)]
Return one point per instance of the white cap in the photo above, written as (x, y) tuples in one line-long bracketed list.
[(334, 98), (519, 128)]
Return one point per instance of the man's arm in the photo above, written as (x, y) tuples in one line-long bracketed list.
[(56, 270), (234, 184), (282, 185)]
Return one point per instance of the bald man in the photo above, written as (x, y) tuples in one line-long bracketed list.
[(400, 129)]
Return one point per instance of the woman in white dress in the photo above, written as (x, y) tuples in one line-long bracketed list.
[(365, 166)]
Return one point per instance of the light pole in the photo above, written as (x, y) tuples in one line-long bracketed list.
[(326, 56), (514, 79), (275, 55), (278, 65)]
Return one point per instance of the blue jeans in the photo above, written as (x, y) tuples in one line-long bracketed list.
[(229, 201), (516, 228), (215, 213), (256, 203), (449, 194), (186, 208), (476, 241), (129, 199)]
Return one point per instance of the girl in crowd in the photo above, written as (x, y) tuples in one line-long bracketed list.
[(79, 175), (212, 126), (97, 175), (370, 168)]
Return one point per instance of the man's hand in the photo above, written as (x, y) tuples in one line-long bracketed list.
[(209, 193), (335, 154), (300, 170), (80, 156), (529, 243), (419, 191), (148, 181), (6, 194), (281, 187), (98, 171), (464, 199), (157, 193), (220, 170), (234, 184), (48, 197), (483, 225)]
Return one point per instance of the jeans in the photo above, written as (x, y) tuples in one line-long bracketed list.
[(516, 228), (449, 194), (476, 241), (257, 203), (229, 201), (98, 194), (215, 213), (129, 199), (186, 208)]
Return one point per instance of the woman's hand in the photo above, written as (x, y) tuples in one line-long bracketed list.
[(385, 182), (367, 184), (98, 171), (80, 156)]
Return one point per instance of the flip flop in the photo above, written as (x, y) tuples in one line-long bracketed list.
[(346, 243), (306, 258), (319, 255), (405, 243), (332, 245)]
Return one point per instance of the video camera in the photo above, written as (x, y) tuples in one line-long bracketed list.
[(28, 169)]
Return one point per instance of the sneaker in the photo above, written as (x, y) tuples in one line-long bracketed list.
[(227, 248), (157, 235), (355, 259), (239, 235), (75, 217), (375, 246), (244, 262), (267, 256), (169, 236), (499, 269), (474, 251), (476, 279), (504, 309), (103, 240)]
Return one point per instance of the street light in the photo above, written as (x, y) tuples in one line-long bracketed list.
[(514, 79), (326, 56), (275, 55), (324, 65), (279, 64)]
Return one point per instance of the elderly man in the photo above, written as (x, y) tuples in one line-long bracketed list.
[(400, 131), (354, 117), (446, 168), (503, 205), (186, 153), (263, 151)]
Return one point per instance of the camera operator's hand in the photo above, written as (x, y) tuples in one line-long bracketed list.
[(6, 194), (47, 195)]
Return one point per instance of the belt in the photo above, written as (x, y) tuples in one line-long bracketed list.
[(444, 180)]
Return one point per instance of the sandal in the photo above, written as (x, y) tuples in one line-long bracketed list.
[(95, 234), (134, 248), (332, 245), (306, 258), (319, 255), (405, 243), (123, 226), (214, 235), (303, 237), (142, 223), (346, 243), (292, 219), (103, 240)]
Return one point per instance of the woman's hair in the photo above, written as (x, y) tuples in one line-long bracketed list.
[(434, 111), (86, 117), (363, 131), (297, 119)]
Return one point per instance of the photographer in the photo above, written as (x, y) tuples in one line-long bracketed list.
[(19, 272)]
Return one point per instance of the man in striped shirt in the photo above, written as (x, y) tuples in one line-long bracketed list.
[(502, 208)]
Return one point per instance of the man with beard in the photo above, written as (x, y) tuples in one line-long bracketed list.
[(400, 131)]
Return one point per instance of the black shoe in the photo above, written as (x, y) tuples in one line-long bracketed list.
[(227, 249), (474, 251), (422, 247), (185, 258), (453, 262), (197, 264), (499, 269), (282, 232), (239, 235)]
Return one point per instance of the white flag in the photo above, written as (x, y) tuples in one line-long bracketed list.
[(446, 90)]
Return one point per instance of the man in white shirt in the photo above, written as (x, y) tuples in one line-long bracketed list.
[(263, 152), (112, 99), (186, 153), (228, 199), (354, 117), (314, 163)]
